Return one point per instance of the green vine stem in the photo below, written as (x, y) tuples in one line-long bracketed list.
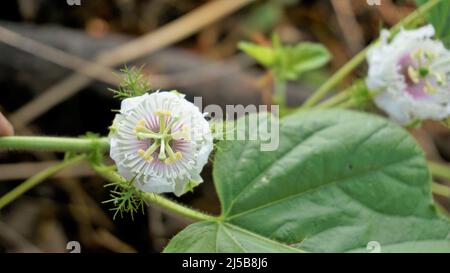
[(336, 78), (335, 100), (361, 56), (279, 94), (109, 174), (439, 170), (57, 144), (440, 189), (36, 179), (347, 104)]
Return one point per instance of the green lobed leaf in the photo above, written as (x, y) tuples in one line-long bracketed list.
[(263, 54), (288, 62), (339, 180), (296, 60), (222, 237)]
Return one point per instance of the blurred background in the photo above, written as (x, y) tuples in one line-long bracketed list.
[(57, 60)]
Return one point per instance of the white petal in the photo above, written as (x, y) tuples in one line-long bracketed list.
[(397, 109), (125, 172), (183, 186), (203, 155), (150, 184), (131, 103)]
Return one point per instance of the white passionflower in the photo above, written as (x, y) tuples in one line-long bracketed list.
[(409, 76), (162, 141)]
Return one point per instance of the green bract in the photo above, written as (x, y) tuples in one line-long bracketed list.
[(339, 180)]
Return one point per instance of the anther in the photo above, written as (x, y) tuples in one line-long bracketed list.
[(145, 155), (413, 74)]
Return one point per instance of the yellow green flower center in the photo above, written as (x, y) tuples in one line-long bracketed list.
[(161, 139), (422, 70)]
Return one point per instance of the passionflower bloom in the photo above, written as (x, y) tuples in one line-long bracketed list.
[(160, 141), (409, 76)]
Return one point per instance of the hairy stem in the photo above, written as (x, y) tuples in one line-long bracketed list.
[(36, 179), (57, 144), (360, 57), (109, 174)]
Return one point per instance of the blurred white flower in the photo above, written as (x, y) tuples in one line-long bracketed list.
[(162, 141), (409, 76)]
